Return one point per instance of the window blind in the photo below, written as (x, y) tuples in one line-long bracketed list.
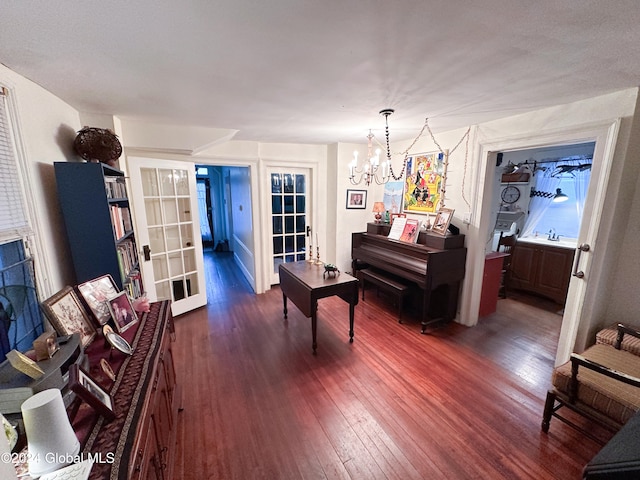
[(13, 218)]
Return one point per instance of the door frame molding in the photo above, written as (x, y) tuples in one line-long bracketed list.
[(605, 135), (278, 168)]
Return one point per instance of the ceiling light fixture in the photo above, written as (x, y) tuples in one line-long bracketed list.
[(372, 169)]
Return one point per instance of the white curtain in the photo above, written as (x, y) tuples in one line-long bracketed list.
[(581, 186), (541, 197)]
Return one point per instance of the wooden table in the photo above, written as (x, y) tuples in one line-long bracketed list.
[(305, 283)]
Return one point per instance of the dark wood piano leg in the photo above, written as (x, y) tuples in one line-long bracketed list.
[(314, 327), (426, 300), (352, 309), (450, 303), (284, 301)]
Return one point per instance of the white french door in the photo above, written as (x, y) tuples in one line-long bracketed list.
[(165, 205), (289, 217)]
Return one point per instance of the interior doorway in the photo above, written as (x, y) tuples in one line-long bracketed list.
[(540, 195), (578, 314), (226, 210), (206, 213)]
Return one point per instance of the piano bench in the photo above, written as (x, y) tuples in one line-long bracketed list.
[(387, 283)]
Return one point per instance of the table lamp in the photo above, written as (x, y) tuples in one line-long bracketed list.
[(378, 208), (51, 440)]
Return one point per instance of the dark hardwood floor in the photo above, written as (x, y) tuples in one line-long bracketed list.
[(457, 403)]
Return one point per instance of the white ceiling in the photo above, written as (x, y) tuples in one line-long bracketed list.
[(319, 71)]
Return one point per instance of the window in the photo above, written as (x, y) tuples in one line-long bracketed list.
[(562, 218), (20, 320), (13, 219)]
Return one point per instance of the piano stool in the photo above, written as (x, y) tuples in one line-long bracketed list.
[(387, 283)]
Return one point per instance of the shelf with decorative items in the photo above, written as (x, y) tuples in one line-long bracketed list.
[(94, 203)]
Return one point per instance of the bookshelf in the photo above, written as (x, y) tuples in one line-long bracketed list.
[(95, 206)]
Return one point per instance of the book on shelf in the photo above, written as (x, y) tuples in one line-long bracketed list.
[(126, 219), (115, 187), (121, 220)]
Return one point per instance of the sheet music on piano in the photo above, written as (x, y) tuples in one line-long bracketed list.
[(405, 230)]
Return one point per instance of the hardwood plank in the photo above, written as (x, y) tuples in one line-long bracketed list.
[(456, 403)]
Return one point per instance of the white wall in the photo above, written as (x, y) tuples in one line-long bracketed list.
[(619, 293), (242, 242), (47, 127), (347, 221)]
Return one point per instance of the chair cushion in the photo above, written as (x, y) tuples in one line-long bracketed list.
[(608, 336), (611, 397)]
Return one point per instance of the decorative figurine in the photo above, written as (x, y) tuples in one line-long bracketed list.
[(330, 269)]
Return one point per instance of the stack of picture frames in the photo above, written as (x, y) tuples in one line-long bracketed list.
[(93, 306)]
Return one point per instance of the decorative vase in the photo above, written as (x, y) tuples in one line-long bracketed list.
[(98, 144)]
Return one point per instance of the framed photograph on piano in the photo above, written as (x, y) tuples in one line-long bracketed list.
[(442, 221)]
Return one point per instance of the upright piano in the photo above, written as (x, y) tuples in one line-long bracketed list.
[(435, 265)]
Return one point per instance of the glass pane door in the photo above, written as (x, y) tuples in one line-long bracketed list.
[(288, 218), (166, 211)]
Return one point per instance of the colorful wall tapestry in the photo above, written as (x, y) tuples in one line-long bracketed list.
[(422, 185)]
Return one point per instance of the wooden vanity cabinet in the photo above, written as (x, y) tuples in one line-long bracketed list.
[(542, 269)]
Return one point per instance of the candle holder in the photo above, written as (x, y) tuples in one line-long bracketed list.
[(318, 261), (310, 259)]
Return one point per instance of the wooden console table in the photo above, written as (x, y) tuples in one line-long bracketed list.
[(146, 397), (304, 283)]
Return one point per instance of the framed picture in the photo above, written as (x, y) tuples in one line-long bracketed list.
[(107, 370), (67, 315), (397, 215), (392, 196), (122, 312), (95, 294), (90, 391), (423, 183), (357, 199), (116, 341), (442, 221)]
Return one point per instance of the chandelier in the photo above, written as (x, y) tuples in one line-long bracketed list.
[(372, 169)]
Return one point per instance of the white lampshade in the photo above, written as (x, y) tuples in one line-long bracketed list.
[(51, 440)]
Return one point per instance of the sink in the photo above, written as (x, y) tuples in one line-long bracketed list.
[(562, 243)]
